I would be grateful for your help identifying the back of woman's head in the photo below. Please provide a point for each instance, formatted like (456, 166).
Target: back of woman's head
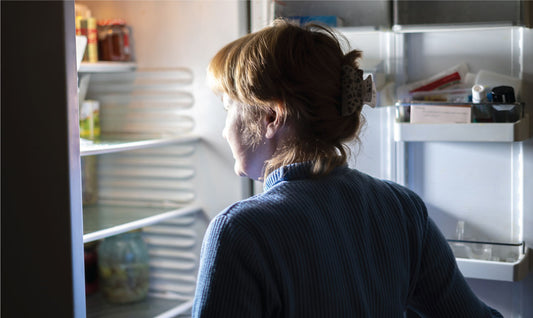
(300, 69)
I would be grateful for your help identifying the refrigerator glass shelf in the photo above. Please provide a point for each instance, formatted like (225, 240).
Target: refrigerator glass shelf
(151, 306)
(100, 221)
(107, 67)
(116, 144)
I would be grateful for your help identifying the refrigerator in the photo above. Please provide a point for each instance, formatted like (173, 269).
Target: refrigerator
(162, 165)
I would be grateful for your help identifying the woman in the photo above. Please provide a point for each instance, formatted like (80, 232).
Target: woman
(322, 240)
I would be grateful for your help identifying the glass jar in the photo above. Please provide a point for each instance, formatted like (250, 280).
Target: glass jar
(114, 40)
(123, 267)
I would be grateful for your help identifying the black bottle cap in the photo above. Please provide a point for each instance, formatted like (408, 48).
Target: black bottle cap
(503, 94)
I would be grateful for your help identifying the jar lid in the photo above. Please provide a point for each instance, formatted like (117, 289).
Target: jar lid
(112, 22)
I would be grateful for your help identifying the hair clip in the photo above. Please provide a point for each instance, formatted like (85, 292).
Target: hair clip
(356, 92)
(369, 92)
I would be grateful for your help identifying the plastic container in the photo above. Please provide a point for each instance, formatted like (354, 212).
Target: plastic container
(490, 79)
(446, 79)
(123, 265)
(90, 119)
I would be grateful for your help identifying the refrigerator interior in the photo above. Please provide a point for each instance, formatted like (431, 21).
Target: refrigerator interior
(177, 38)
(161, 163)
(474, 178)
(478, 183)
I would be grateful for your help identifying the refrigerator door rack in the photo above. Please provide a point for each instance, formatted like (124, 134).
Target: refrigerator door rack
(491, 260)
(467, 122)
(441, 112)
(494, 270)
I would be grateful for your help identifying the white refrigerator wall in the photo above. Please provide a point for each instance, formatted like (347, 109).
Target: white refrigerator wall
(186, 34)
(489, 185)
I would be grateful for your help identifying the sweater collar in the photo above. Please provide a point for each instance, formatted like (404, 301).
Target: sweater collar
(294, 171)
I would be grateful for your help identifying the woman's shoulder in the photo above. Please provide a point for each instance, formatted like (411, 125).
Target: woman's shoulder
(384, 185)
(385, 193)
(247, 210)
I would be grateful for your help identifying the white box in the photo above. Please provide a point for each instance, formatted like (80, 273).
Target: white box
(436, 114)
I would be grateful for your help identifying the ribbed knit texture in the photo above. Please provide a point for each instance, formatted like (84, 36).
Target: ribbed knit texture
(344, 245)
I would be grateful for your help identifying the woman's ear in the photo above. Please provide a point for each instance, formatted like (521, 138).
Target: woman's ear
(273, 121)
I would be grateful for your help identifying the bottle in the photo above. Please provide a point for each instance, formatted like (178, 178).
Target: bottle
(479, 94)
(123, 265)
(503, 94)
(490, 79)
(482, 112)
(505, 111)
(88, 29)
(460, 230)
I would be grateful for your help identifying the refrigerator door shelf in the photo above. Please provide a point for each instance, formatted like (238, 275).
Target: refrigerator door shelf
(470, 132)
(440, 12)
(447, 27)
(493, 270)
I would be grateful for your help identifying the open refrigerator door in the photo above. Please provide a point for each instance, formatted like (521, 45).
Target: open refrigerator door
(471, 160)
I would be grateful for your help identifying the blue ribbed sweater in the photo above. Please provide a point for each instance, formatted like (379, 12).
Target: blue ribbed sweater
(344, 245)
